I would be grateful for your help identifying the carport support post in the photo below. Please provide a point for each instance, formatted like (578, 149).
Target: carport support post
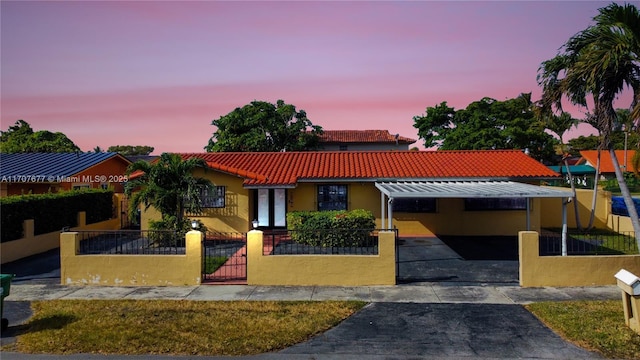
(382, 209)
(528, 215)
(564, 227)
(390, 212)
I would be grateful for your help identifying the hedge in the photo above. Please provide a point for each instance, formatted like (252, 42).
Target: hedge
(331, 228)
(53, 211)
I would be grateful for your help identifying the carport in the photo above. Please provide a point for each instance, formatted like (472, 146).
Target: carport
(390, 190)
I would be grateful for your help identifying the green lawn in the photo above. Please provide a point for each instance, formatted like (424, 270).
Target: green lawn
(176, 327)
(593, 325)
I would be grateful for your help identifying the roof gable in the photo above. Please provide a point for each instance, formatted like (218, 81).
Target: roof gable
(288, 168)
(606, 164)
(363, 136)
(52, 164)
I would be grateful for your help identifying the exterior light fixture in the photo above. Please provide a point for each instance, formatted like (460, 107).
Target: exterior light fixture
(255, 223)
(194, 224)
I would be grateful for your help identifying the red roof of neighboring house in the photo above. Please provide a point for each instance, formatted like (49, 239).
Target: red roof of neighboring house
(606, 164)
(287, 168)
(362, 136)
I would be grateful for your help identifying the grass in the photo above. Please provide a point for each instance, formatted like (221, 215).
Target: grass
(593, 325)
(175, 327)
(213, 263)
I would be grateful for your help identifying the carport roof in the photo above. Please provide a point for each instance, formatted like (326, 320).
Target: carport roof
(467, 189)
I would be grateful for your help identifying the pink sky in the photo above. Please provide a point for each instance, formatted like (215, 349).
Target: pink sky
(157, 73)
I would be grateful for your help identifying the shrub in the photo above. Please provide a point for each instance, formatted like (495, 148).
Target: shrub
(331, 228)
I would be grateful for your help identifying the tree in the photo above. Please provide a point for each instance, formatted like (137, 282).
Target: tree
(262, 126)
(592, 69)
(486, 124)
(130, 150)
(20, 138)
(169, 186)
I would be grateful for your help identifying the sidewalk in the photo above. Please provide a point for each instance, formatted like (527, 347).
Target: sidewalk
(415, 293)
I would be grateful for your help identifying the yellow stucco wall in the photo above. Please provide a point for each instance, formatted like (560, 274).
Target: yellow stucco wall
(321, 270)
(551, 217)
(621, 224)
(32, 244)
(539, 271)
(130, 270)
(449, 219)
(234, 217)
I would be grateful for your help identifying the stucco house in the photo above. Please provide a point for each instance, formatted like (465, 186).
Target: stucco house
(363, 140)
(38, 173)
(491, 192)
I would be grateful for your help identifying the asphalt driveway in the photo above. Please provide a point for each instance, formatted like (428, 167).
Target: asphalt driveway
(442, 331)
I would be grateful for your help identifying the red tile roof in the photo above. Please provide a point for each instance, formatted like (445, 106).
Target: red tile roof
(287, 168)
(606, 165)
(362, 136)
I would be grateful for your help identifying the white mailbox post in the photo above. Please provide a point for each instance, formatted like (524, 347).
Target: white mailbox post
(630, 285)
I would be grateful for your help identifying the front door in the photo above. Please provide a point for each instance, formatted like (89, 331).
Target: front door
(271, 208)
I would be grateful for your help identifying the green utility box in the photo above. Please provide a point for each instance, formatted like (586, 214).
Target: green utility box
(5, 281)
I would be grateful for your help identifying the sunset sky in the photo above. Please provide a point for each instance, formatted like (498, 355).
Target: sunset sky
(157, 73)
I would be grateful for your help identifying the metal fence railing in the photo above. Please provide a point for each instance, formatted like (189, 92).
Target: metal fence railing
(589, 243)
(321, 242)
(137, 242)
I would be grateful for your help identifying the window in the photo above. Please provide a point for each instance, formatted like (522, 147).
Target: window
(414, 205)
(332, 197)
(343, 147)
(80, 186)
(495, 204)
(213, 197)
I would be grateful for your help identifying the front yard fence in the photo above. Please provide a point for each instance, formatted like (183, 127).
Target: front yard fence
(589, 243)
(321, 242)
(131, 242)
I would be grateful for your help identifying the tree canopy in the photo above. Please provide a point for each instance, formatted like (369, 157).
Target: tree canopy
(130, 150)
(264, 127)
(20, 138)
(486, 124)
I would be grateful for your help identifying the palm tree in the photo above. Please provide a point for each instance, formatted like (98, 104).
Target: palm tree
(598, 63)
(559, 124)
(169, 186)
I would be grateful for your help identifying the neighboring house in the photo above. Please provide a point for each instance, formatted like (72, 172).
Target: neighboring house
(37, 173)
(490, 192)
(583, 175)
(590, 157)
(362, 140)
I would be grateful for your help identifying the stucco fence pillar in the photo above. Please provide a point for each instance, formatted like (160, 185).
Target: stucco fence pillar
(565, 271)
(321, 270)
(130, 270)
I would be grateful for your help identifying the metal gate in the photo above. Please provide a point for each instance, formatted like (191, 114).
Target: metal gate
(225, 258)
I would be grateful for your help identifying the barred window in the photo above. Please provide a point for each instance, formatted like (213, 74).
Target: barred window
(213, 197)
(482, 204)
(332, 197)
(414, 205)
